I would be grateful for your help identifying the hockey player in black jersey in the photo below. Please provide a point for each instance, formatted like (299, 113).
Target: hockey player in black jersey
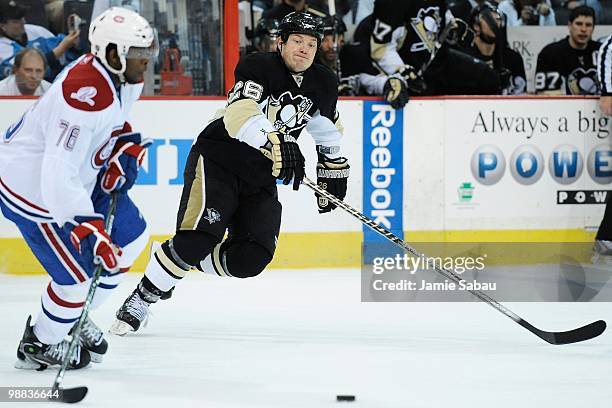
(567, 67)
(357, 72)
(407, 39)
(490, 45)
(231, 172)
(265, 35)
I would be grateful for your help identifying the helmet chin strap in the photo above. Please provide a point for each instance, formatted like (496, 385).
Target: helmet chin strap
(119, 72)
(488, 39)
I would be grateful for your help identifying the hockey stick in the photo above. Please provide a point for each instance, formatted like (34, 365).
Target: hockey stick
(572, 336)
(76, 394)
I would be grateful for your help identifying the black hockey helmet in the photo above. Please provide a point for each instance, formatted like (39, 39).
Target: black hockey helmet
(496, 20)
(484, 11)
(333, 25)
(267, 27)
(301, 23)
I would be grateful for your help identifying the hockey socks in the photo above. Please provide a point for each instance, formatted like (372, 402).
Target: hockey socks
(214, 263)
(165, 268)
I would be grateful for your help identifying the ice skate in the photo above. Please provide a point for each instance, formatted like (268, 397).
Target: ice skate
(602, 252)
(32, 354)
(133, 313)
(92, 338)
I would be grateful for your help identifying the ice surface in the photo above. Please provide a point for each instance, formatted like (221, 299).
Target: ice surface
(298, 338)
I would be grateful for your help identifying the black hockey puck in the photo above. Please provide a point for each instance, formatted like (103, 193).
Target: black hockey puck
(345, 398)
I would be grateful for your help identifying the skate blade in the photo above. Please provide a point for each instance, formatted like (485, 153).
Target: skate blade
(120, 328)
(96, 357)
(30, 365)
(601, 259)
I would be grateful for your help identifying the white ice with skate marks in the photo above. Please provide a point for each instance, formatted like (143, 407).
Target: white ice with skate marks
(299, 338)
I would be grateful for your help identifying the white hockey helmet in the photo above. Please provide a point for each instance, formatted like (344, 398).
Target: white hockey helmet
(128, 30)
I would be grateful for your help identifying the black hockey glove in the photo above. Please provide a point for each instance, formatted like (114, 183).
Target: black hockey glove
(395, 92)
(505, 79)
(346, 87)
(332, 175)
(414, 82)
(287, 159)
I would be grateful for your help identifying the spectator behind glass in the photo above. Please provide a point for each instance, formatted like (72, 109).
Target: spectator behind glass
(16, 35)
(567, 67)
(528, 12)
(27, 76)
(594, 4)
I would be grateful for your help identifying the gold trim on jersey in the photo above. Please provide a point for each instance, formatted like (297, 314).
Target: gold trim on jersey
(339, 124)
(551, 92)
(196, 201)
(168, 264)
(377, 51)
(238, 113)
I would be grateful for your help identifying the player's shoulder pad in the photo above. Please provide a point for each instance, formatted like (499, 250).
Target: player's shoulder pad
(262, 67)
(86, 88)
(556, 46)
(594, 44)
(324, 74)
(258, 61)
(550, 51)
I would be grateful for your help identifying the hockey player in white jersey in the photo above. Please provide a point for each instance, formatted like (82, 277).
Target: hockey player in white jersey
(58, 164)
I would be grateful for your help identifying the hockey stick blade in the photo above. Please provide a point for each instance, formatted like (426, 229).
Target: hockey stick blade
(71, 395)
(572, 336)
(583, 333)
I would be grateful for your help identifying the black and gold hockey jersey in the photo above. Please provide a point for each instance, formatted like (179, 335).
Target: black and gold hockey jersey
(510, 60)
(564, 70)
(266, 96)
(410, 26)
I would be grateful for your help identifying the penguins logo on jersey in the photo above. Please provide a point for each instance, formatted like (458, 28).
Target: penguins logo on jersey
(426, 24)
(287, 113)
(582, 82)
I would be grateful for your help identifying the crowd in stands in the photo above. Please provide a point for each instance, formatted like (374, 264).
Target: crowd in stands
(31, 56)
(375, 46)
(475, 57)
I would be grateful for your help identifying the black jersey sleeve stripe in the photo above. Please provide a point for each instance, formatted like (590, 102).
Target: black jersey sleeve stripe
(604, 66)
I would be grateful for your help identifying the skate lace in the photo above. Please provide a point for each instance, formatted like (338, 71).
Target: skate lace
(91, 334)
(137, 307)
(57, 352)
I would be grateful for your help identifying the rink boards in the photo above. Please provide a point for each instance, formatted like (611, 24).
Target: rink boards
(457, 169)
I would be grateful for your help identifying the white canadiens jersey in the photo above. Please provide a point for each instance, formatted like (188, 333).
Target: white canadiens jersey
(51, 156)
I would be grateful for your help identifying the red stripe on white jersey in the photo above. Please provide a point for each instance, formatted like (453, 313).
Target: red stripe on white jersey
(23, 200)
(22, 206)
(61, 302)
(62, 253)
